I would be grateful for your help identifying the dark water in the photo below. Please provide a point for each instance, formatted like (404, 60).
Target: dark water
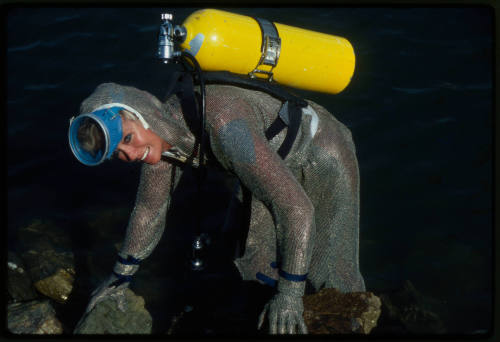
(419, 107)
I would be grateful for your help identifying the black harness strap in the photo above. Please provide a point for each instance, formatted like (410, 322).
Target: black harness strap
(187, 97)
(294, 115)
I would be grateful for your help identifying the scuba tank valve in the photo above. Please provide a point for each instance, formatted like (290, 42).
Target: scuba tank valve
(167, 37)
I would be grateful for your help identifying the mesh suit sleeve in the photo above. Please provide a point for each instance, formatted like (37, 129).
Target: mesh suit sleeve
(144, 231)
(147, 221)
(248, 154)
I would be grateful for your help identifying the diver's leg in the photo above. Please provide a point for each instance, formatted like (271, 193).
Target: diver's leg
(331, 180)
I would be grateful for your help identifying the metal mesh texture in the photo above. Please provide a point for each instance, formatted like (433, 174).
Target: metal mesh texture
(164, 119)
(147, 221)
(305, 209)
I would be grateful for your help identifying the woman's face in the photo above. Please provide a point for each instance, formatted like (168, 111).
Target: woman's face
(139, 144)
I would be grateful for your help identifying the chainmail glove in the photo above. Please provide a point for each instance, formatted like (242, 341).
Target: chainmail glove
(114, 287)
(285, 309)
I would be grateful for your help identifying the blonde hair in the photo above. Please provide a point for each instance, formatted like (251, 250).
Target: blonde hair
(90, 136)
(125, 114)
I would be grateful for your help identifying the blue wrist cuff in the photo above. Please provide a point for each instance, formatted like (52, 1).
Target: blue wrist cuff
(121, 279)
(292, 277)
(289, 276)
(267, 280)
(129, 261)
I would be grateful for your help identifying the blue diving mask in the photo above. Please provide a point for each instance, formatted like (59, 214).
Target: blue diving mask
(109, 134)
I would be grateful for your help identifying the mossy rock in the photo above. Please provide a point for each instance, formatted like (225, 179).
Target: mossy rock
(331, 312)
(58, 286)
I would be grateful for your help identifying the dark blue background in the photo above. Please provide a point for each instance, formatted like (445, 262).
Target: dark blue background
(419, 107)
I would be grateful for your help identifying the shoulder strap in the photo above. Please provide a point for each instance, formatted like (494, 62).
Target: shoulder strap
(181, 85)
(294, 116)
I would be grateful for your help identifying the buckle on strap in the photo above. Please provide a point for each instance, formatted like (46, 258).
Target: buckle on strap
(270, 48)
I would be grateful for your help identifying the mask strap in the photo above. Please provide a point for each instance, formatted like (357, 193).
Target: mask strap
(130, 109)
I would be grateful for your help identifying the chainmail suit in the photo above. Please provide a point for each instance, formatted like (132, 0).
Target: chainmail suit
(305, 209)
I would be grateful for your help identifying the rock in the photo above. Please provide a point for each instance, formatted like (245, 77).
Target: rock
(412, 310)
(331, 312)
(49, 259)
(106, 318)
(58, 286)
(34, 317)
(19, 284)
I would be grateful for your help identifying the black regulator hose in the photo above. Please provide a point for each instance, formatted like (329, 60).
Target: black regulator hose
(201, 79)
(197, 262)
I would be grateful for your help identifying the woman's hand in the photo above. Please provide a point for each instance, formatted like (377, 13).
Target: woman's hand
(284, 312)
(113, 287)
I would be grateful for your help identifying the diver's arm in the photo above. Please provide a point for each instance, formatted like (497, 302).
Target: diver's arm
(145, 228)
(270, 181)
(147, 220)
(265, 174)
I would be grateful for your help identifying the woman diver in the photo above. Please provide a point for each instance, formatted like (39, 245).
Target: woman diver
(304, 225)
(295, 159)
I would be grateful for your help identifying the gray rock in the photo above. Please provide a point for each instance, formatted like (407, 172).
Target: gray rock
(48, 256)
(19, 284)
(106, 318)
(34, 317)
(416, 312)
(331, 312)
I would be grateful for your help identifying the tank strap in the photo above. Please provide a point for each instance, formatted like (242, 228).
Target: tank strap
(270, 48)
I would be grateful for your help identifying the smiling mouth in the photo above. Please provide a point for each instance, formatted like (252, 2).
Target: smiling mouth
(146, 152)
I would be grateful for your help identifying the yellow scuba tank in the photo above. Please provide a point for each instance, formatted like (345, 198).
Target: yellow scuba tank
(289, 55)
